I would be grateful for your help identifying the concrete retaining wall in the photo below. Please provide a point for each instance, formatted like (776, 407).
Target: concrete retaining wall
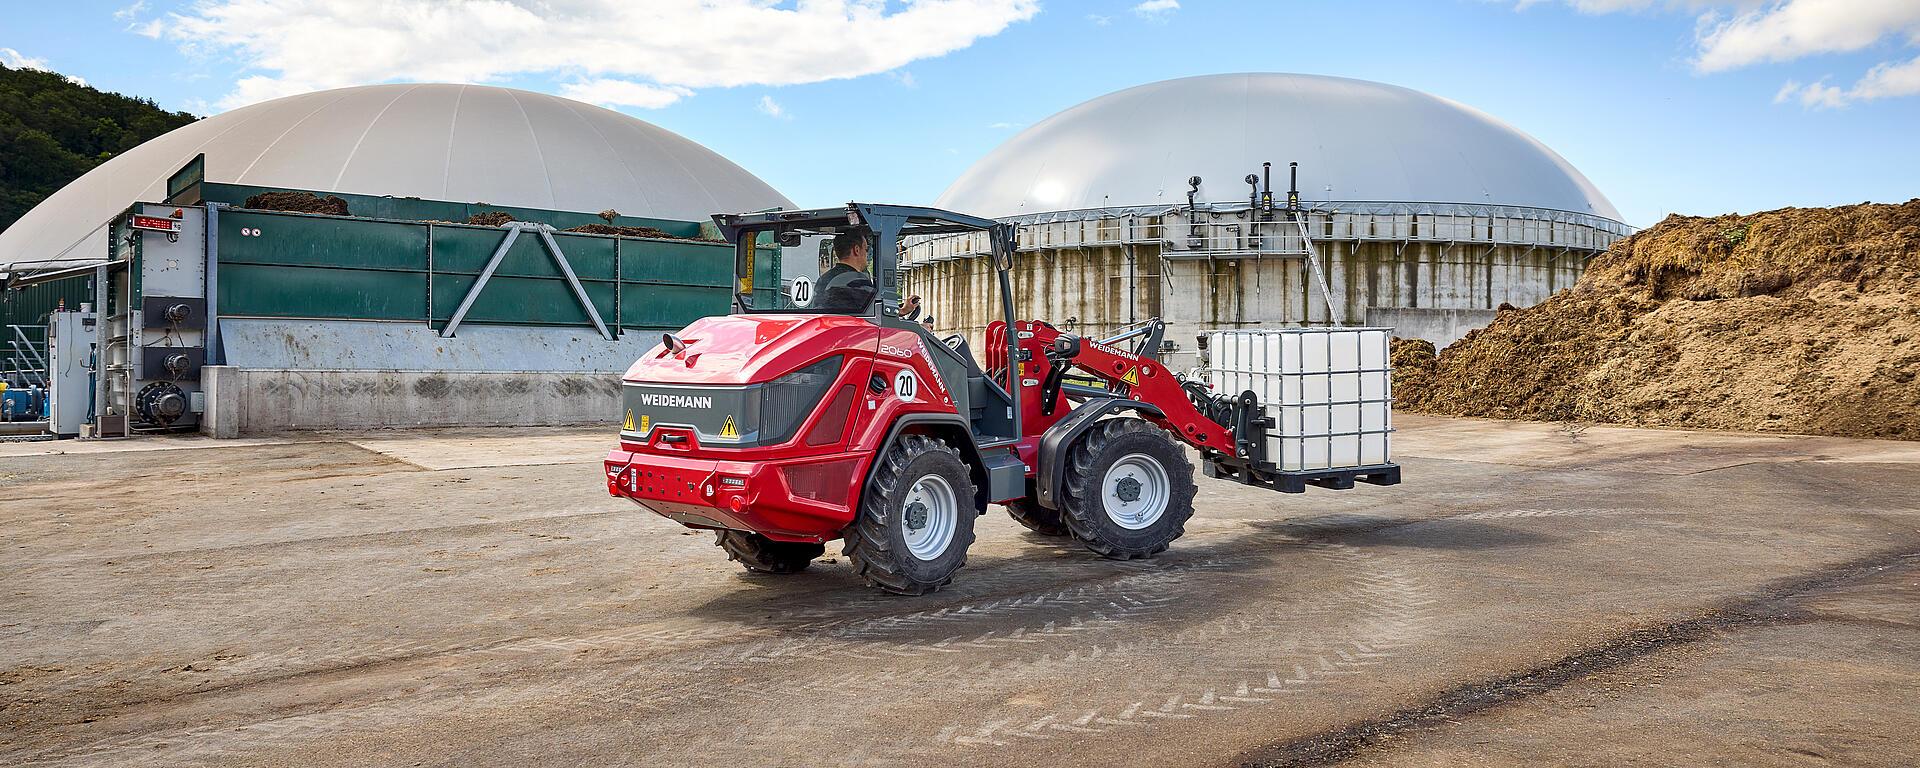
(259, 401)
(1440, 326)
(256, 343)
(1096, 290)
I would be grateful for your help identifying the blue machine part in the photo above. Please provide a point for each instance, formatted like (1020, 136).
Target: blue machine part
(28, 404)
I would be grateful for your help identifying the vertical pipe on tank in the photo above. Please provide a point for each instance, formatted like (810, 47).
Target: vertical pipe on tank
(1193, 214)
(1132, 281)
(1266, 192)
(1293, 187)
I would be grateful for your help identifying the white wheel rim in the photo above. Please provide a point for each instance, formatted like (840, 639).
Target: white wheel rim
(929, 516)
(1135, 491)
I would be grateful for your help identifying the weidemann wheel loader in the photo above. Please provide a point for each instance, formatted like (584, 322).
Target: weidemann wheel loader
(820, 413)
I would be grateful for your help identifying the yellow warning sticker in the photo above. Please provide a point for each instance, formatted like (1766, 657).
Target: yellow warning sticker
(646, 423)
(628, 424)
(728, 429)
(746, 266)
(1131, 377)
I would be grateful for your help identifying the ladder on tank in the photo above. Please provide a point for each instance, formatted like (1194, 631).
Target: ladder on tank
(1319, 277)
(1260, 239)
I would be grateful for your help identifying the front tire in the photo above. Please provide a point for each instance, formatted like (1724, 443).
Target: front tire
(1036, 518)
(760, 554)
(1128, 490)
(916, 518)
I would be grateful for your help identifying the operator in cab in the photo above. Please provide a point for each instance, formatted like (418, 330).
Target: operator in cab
(846, 288)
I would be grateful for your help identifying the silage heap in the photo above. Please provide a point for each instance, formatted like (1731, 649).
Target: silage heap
(1796, 320)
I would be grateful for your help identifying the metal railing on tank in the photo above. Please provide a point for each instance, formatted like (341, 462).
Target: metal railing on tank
(1243, 239)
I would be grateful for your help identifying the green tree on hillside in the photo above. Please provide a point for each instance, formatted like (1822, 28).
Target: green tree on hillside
(53, 129)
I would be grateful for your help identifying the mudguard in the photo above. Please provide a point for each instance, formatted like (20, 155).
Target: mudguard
(1059, 438)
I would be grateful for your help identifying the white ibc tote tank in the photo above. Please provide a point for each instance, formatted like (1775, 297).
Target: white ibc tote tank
(1329, 391)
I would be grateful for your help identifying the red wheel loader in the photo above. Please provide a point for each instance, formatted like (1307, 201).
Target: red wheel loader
(820, 412)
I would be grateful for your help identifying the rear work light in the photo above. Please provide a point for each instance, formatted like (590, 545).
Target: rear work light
(785, 402)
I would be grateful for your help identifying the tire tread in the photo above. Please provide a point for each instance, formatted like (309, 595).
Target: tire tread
(1080, 506)
(763, 555)
(867, 545)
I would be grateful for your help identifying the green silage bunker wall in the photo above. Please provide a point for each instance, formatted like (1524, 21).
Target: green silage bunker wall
(418, 209)
(289, 265)
(28, 305)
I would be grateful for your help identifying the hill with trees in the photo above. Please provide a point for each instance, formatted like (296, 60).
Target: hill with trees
(53, 129)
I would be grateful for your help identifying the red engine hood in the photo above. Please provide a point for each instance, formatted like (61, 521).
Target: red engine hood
(749, 349)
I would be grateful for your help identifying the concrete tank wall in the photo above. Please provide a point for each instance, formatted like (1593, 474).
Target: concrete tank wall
(260, 401)
(1440, 326)
(1088, 290)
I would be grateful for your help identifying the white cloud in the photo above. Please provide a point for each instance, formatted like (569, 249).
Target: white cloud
(1887, 80)
(772, 108)
(1786, 92)
(624, 93)
(18, 60)
(1732, 34)
(1593, 6)
(904, 78)
(1597, 7)
(1812, 95)
(1797, 28)
(131, 12)
(1099, 20)
(1156, 9)
(293, 46)
(1005, 125)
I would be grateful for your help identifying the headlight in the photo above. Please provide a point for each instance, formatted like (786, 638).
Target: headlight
(785, 402)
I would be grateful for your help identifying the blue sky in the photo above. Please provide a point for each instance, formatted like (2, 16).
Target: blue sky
(1688, 106)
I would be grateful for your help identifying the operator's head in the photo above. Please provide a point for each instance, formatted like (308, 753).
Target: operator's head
(850, 248)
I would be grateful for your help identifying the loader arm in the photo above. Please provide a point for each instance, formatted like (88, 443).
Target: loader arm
(1128, 376)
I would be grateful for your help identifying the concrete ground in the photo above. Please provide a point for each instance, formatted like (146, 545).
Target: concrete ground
(1530, 595)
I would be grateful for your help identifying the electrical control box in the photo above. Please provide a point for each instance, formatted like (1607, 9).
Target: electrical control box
(72, 353)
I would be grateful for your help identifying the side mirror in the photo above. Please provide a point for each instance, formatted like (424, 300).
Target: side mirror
(1003, 244)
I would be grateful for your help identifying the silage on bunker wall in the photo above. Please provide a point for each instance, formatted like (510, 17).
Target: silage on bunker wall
(1795, 320)
(297, 202)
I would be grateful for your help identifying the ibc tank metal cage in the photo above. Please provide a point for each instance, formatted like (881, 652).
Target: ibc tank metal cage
(1328, 391)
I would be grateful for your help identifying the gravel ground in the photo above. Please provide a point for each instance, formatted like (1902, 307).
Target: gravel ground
(1528, 595)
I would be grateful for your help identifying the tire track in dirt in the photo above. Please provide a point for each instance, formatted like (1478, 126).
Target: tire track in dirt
(963, 646)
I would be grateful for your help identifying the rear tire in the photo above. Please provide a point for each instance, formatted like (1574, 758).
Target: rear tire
(760, 554)
(1036, 518)
(916, 518)
(1128, 490)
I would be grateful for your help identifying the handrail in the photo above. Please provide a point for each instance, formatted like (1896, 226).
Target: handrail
(1219, 239)
(1407, 222)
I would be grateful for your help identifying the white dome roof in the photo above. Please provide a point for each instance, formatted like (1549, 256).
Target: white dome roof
(462, 143)
(1367, 141)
